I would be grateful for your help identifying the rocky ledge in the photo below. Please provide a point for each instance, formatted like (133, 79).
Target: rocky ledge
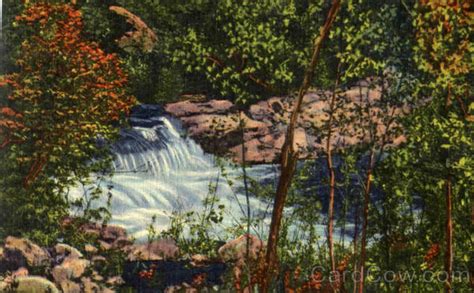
(215, 124)
(112, 262)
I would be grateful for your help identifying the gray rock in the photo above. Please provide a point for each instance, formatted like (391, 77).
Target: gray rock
(122, 242)
(236, 250)
(70, 268)
(157, 250)
(68, 286)
(98, 259)
(91, 249)
(4, 286)
(36, 285)
(67, 250)
(105, 245)
(115, 281)
(20, 252)
(213, 121)
(188, 108)
(111, 233)
(199, 260)
(89, 286)
(21, 272)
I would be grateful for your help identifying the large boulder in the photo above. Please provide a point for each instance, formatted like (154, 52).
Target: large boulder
(236, 249)
(68, 286)
(65, 250)
(89, 286)
(110, 233)
(188, 108)
(33, 284)
(21, 252)
(70, 269)
(157, 250)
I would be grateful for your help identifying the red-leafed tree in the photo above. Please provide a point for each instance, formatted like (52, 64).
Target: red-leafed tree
(66, 96)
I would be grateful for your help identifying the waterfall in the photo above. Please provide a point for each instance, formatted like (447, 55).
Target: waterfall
(158, 170)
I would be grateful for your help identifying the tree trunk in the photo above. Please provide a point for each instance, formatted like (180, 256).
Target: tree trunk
(356, 235)
(332, 174)
(448, 265)
(247, 197)
(365, 222)
(289, 155)
(332, 187)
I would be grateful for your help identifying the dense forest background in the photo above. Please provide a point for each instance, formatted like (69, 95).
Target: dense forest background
(73, 70)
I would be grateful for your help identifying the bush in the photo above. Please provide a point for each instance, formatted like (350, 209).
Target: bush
(58, 113)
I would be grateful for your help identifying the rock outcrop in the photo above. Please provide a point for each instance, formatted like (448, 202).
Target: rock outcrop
(215, 124)
(30, 284)
(161, 249)
(158, 263)
(236, 249)
(63, 267)
(20, 252)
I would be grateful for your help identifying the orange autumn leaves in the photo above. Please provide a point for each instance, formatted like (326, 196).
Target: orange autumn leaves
(66, 93)
(8, 122)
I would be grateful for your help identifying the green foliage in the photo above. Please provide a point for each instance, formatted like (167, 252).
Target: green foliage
(65, 101)
(417, 54)
(439, 144)
(195, 232)
(374, 40)
(154, 78)
(253, 48)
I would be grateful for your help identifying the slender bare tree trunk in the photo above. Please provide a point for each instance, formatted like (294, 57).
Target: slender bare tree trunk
(448, 265)
(448, 254)
(289, 155)
(365, 222)
(247, 196)
(356, 234)
(332, 187)
(332, 173)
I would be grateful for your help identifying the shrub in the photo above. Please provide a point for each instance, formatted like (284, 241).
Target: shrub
(67, 98)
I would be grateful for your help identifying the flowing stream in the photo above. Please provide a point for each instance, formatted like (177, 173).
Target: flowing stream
(159, 171)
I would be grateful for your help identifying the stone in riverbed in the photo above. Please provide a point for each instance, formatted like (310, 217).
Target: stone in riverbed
(68, 286)
(236, 250)
(122, 242)
(89, 286)
(187, 108)
(157, 250)
(35, 284)
(21, 272)
(111, 233)
(21, 252)
(104, 245)
(115, 281)
(70, 268)
(67, 251)
(199, 260)
(214, 124)
(91, 249)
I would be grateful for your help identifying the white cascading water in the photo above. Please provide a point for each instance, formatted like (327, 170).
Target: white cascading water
(159, 171)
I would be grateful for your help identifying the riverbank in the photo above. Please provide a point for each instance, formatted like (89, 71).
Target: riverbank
(109, 261)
